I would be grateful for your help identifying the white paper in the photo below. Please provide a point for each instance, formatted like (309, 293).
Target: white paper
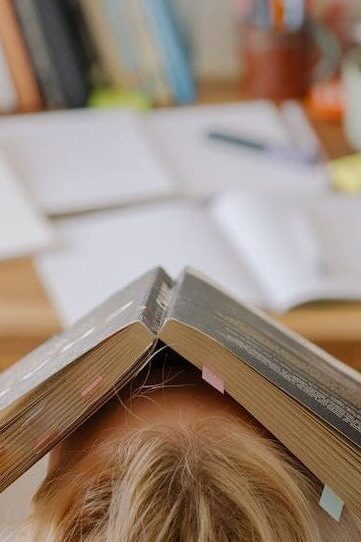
(86, 159)
(205, 167)
(102, 253)
(23, 230)
(299, 248)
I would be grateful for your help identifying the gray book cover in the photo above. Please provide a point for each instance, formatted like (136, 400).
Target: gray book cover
(327, 387)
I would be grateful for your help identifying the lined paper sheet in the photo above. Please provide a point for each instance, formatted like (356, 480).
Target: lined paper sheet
(100, 254)
(86, 159)
(23, 230)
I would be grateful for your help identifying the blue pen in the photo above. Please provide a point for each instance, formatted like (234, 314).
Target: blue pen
(284, 152)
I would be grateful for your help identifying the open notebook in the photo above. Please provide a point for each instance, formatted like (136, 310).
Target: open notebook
(273, 252)
(81, 160)
(73, 161)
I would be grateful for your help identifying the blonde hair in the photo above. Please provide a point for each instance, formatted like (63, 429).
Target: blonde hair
(213, 480)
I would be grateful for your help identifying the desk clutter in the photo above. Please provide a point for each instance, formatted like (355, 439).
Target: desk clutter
(112, 193)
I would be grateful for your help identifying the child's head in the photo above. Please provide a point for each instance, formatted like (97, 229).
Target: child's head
(183, 463)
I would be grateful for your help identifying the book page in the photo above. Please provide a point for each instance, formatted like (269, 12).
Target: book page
(99, 254)
(23, 230)
(300, 249)
(204, 167)
(85, 159)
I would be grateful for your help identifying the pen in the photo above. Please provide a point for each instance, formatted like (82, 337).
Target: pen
(284, 152)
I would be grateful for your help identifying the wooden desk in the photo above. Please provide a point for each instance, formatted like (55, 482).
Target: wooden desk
(27, 319)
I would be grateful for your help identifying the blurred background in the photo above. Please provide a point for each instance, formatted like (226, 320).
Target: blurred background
(225, 135)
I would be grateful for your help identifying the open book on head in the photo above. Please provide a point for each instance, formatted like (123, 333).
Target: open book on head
(307, 399)
(274, 252)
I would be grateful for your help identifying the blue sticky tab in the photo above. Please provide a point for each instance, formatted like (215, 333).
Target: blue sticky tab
(331, 503)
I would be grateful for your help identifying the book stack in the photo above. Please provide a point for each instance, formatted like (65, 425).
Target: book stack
(54, 52)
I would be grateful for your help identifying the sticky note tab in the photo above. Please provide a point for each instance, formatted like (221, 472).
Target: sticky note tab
(331, 503)
(212, 379)
(346, 173)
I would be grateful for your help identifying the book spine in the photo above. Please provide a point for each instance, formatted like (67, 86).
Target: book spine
(8, 96)
(104, 42)
(150, 59)
(82, 38)
(19, 60)
(118, 18)
(174, 54)
(157, 301)
(36, 43)
(73, 80)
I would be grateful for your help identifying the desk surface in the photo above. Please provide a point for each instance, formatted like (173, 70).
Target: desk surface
(27, 319)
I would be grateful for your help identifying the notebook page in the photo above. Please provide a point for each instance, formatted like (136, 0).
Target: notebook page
(205, 167)
(300, 249)
(84, 159)
(23, 230)
(99, 254)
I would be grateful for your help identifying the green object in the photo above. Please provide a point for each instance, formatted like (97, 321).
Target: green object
(331, 503)
(114, 97)
(346, 173)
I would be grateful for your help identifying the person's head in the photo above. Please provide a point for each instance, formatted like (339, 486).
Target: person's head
(176, 461)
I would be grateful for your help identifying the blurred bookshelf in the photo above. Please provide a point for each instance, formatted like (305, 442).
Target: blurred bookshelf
(54, 55)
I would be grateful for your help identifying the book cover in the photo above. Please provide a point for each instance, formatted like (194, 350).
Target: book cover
(327, 387)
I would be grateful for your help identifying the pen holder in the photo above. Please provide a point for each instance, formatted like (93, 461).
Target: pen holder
(280, 64)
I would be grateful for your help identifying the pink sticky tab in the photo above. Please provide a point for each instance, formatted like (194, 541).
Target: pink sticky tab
(92, 386)
(212, 379)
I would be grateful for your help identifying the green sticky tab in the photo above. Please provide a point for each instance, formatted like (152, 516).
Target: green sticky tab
(113, 97)
(345, 173)
(331, 503)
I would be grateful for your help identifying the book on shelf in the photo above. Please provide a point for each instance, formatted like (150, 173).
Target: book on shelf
(150, 58)
(108, 54)
(62, 48)
(172, 49)
(35, 38)
(18, 59)
(308, 400)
